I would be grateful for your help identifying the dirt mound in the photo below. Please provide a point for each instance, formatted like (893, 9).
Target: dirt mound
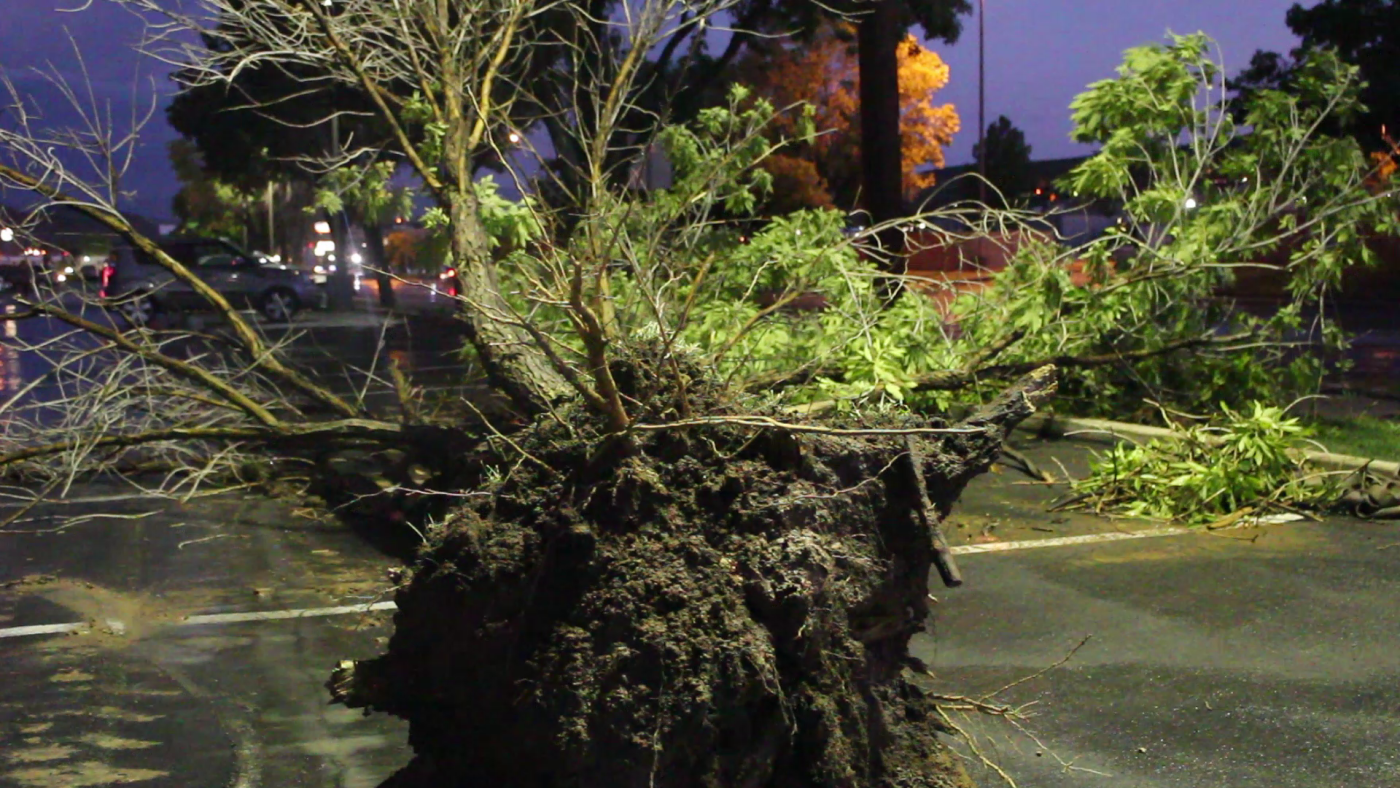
(719, 605)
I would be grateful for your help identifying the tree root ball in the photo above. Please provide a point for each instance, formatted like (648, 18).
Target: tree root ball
(719, 605)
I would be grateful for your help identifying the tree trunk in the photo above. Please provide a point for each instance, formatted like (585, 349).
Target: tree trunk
(880, 153)
(374, 255)
(513, 362)
(339, 284)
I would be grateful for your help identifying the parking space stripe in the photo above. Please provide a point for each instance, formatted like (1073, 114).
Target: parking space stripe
(342, 610)
(42, 629)
(275, 615)
(1031, 544)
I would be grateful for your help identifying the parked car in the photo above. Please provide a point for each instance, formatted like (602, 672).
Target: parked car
(73, 269)
(448, 282)
(140, 289)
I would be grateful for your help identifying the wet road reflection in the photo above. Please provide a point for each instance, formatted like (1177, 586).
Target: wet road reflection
(350, 352)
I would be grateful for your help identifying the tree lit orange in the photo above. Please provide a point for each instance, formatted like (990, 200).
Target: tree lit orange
(824, 73)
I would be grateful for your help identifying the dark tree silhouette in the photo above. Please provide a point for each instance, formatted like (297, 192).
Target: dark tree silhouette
(1007, 158)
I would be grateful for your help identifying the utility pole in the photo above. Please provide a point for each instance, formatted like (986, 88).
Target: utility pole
(982, 100)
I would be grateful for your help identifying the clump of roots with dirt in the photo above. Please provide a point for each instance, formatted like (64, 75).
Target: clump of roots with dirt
(725, 600)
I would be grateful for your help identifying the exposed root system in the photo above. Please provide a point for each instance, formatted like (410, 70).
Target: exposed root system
(720, 605)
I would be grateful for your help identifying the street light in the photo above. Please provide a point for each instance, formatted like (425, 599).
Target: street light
(6, 234)
(982, 100)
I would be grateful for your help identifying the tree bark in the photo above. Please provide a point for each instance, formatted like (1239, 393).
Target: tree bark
(515, 365)
(880, 155)
(374, 253)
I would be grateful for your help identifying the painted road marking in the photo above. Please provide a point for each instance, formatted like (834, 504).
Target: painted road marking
(118, 627)
(43, 629)
(274, 615)
(1029, 544)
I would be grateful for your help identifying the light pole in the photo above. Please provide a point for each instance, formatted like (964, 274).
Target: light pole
(982, 100)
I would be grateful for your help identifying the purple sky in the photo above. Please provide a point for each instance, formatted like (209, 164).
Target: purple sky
(1039, 55)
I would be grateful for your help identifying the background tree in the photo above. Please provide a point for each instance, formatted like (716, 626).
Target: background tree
(205, 204)
(1007, 158)
(823, 72)
(272, 219)
(1365, 33)
(367, 197)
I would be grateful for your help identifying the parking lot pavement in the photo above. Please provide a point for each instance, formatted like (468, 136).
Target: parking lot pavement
(1252, 658)
(198, 651)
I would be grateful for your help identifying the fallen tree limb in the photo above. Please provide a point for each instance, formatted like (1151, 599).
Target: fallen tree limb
(349, 428)
(191, 372)
(975, 371)
(247, 337)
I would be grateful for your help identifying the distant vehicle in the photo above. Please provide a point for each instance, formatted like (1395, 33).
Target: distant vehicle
(27, 270)
(448, 282)
(140, 289)
(75, 269)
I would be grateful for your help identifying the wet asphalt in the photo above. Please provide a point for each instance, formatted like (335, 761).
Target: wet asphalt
(1265, 658)
(140, 696)
(1250, 658)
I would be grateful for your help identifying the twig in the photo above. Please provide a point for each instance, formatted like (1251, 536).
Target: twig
(1029, 467)
(769, 423)
(1066, 658)
(181, 546)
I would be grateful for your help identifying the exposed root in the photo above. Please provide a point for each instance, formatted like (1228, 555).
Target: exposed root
(729, 603)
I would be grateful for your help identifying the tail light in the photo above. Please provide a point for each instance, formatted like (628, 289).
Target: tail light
(107, 271)
(448, 274)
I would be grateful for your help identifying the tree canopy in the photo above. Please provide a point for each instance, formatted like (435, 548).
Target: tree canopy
(1007, 158)
(822, 72)
(1365, 33)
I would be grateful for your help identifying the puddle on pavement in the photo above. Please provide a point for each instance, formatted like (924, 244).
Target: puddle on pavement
(41, 753)
(67, 676)
(107, 741)
(81, 775)
(38, 727)
(110, 712)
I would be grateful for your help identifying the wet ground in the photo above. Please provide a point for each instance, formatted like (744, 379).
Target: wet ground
(1264, 656)
(188, 645)
(141, 694)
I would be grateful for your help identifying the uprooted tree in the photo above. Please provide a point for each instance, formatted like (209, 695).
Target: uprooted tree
(643, 573)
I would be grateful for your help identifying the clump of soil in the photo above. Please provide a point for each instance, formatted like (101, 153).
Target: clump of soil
(719, 605)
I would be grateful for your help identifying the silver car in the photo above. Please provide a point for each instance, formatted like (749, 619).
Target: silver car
(140, 289)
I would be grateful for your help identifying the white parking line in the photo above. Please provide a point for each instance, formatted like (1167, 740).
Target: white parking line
(274, 615)
(212, 618)
(43, 629)
(1031, 544)
(342, 610)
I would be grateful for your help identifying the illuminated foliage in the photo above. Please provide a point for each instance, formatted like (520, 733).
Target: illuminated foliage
(824, 74)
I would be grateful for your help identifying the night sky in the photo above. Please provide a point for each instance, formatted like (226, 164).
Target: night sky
(1039, 55)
